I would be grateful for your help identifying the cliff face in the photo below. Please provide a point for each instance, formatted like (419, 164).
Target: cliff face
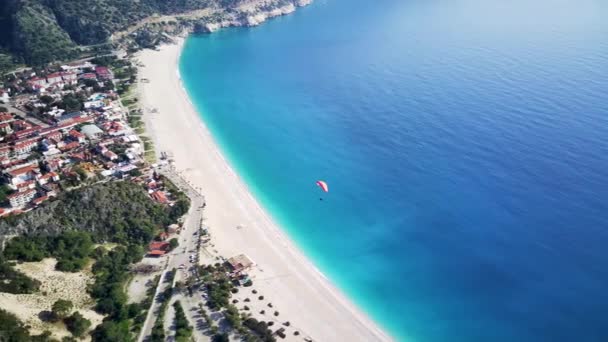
(250, 14)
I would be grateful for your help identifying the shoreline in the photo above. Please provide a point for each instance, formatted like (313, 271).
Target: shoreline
(303, 294)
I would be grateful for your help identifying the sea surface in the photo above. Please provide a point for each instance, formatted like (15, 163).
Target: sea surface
(465, 145)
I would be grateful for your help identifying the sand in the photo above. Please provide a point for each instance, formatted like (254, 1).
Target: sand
(55, 285)
(283, 274)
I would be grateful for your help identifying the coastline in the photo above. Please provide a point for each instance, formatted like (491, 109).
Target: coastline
(298, 289)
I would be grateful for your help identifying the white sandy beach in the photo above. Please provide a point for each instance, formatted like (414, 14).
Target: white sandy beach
(283, 274)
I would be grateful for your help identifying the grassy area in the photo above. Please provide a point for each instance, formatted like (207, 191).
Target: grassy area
(150, 157)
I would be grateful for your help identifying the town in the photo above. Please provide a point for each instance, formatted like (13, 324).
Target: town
(66, 125)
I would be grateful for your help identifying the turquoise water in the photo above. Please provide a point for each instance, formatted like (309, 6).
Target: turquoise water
(465, 144)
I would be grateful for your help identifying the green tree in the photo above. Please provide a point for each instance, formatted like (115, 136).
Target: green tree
(77, 324)
(62, 308)
(12, 328)
(46, 99)
(220, 338)
(110, 331)
(173, 243)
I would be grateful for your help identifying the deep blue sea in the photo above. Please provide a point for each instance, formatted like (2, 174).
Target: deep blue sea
(465, 144)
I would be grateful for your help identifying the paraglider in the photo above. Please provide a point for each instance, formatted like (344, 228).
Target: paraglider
(321, 184)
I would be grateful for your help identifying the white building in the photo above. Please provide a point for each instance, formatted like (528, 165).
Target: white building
(20, 199)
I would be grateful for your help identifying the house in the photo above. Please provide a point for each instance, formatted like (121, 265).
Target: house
(156, 253)
(54, 78)
(69, 77)
(5, 151)
(28, 132)
(77, 136)
(68, 147)
(25, 146)
(87, 76)
(55, 112)
(20, 199)
(22, 174)
(48, 177)
(159, 246)
(172, 229)
(19, 125)
(39, 200)
(103, 73)
(5, 128)
(240, 263)
(109, 155)
(159, 197)
(25, 186)
(4, 96)
(92, 132)
(37, 82)
(6, 117)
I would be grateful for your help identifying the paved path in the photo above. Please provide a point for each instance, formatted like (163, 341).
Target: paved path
(188, 241)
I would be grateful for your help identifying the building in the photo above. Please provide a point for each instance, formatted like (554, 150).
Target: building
(20, 199)
(92, 132)
(54, 78)
(5, 128)
(240, 263)
(158, 248)
(103, 73)
(159, 197)
(22, 174)
(77, 136)
(4, 96)
(88, 76)
(156, 253)
(25, 146)
(6, 117)
(35, 82)
(48, 177)
(69, 77)
(109, 155)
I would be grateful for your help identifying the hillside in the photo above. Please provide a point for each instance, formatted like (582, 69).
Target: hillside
(119, 212)
(39, 31)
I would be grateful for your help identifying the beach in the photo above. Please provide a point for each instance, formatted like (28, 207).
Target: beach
(237, 222)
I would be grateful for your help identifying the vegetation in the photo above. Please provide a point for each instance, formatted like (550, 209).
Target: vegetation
(259, 328)
(183, 330)
(13, 330)
(119, 212)
(40, 31)
(70, 248)
(13, 281)
(61, 309)
(173, 243)
(77, 324)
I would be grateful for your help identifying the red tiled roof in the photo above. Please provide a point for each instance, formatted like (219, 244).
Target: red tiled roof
(24, 193)
(158, 246)
(74, 133)
(40, 199)
(156, 252)
(69, 146)
(22, 170)
(159, 196)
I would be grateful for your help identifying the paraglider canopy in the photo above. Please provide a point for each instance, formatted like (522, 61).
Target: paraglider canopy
(321, 184)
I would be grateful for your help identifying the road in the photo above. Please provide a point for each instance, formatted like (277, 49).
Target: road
(188, 240)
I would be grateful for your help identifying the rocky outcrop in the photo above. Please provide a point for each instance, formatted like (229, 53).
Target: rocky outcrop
(248, 15)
